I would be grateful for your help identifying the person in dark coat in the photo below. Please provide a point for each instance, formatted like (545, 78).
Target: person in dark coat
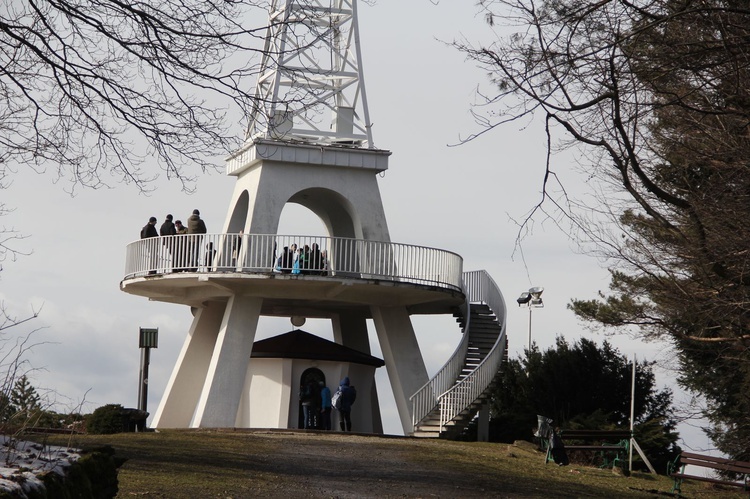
(310, 398)
(316, 259)
(285, 260)
(557, 449)
(348, 396)
(168, 229)
(149, 230)
(195, 225)
(304, 260)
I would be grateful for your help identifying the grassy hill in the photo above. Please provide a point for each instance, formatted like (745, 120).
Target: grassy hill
(201, 464)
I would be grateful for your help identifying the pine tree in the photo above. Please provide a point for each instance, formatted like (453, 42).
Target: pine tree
(24, 397)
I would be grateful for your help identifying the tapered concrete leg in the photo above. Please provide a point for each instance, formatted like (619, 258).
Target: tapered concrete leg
(403, 360)
(350, 330)
(183, 390)
(222, 390)
(377, 420)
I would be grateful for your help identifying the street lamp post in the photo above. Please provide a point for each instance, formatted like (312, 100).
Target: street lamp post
(532, 299)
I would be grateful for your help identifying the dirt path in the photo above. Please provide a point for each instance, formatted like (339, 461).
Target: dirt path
(352, 466)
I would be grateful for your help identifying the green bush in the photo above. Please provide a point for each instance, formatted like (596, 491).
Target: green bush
(106, 420)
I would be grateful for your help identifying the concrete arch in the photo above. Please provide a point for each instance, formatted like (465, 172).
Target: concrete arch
(337, 213)
(347, 200)
(238, 216)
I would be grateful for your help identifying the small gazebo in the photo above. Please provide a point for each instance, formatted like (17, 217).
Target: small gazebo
(283, 363)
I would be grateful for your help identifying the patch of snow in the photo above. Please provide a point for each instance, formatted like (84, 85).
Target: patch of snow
(22, 462)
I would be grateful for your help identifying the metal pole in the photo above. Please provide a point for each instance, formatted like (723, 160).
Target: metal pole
(143, 379)
(529, 328)
(632, 413)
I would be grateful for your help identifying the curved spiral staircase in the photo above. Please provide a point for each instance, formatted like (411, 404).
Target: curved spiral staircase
(447, 403)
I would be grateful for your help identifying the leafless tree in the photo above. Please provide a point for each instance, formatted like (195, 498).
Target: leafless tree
(95, 88)
(654, 95)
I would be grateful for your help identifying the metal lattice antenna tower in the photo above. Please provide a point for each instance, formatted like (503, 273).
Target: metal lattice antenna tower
(311, 87)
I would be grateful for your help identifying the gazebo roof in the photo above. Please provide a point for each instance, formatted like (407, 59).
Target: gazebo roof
(299, 344)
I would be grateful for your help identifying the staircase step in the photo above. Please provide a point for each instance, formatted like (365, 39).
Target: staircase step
(484, 327)
(484, 346)
(435, 425)
(426, 434)
(482, 330)
(485, 333)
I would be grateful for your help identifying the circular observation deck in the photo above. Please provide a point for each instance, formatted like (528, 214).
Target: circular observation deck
(325, 276)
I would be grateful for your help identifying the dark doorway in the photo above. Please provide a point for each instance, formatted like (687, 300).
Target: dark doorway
(309, 389)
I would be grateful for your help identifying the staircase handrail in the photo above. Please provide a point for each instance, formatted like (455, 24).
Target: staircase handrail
(480, 288)
(426, 398)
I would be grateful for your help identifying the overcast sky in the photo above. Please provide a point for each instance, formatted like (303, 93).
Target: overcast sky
(461, 199)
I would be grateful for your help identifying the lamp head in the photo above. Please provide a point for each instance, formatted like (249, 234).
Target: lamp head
(524, 298)
(536, 292)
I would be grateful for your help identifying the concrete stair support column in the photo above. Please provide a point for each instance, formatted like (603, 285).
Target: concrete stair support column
(483, 426)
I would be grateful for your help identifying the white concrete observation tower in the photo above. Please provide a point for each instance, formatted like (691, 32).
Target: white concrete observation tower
(309, 142)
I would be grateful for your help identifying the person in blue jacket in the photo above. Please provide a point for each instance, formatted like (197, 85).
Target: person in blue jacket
(348, 396)
(325, 406)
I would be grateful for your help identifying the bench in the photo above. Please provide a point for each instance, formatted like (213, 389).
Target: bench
(677, 470)
(608, 442)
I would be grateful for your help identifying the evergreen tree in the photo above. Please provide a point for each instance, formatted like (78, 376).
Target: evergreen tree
(583, 386)
(6, 408)
(24, 396)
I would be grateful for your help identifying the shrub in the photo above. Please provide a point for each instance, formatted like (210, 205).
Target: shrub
(106, 420)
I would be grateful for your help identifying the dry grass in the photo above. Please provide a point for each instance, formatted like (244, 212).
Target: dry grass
(200, 464)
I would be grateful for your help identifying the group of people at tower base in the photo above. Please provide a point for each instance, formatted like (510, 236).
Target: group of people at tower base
(317, 404)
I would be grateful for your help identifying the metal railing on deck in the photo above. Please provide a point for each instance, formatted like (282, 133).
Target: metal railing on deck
(314, 255)
(453, 396)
